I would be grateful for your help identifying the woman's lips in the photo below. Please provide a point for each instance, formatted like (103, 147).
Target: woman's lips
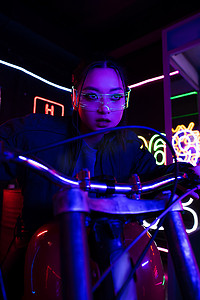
(101, 122)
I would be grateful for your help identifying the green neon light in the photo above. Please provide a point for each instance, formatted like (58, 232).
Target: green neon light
(163, 283)
(183, 116)
(183, 95)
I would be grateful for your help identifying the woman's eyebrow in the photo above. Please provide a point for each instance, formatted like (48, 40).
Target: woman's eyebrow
(90, 88)
(116, 89)
(97, 90)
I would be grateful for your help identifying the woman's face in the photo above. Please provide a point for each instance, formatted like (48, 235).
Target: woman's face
(97, 115)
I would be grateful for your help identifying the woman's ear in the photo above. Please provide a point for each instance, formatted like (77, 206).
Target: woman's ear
(74, 98)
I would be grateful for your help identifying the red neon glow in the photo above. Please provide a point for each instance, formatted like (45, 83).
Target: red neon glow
(152, 250)
(151, 80)
(159, 283)
(49, 269)
(48, 108)
(155, 272)
(42, 232)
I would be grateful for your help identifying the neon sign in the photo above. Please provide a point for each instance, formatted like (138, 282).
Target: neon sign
(193, 213)
(186, 143)
(157, 147)
(46, 106)
(186, 208)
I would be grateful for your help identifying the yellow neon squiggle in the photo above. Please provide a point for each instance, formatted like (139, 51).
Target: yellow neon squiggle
(186, 143)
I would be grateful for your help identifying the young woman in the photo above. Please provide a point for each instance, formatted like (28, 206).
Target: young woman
(100, 97)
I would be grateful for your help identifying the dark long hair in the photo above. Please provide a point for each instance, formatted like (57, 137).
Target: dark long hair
(101, 61)
(80, 73)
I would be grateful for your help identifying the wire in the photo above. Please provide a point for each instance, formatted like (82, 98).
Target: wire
(116, 129)
(142, 255)
(2, 286)
(148, 246)
(69, 140)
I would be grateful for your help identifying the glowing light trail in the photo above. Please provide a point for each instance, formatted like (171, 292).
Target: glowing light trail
(151, 80)
(35, 76)
(183, 95)
(69, 90)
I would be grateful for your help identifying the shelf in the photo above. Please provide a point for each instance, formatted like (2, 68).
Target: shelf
(181, 51)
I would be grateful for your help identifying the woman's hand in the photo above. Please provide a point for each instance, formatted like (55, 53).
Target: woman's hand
(196, 170)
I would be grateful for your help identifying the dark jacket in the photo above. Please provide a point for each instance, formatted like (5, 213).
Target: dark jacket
(113, 158)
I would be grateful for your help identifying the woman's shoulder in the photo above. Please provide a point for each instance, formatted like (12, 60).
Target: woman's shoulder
(44, 122)
(35, 123)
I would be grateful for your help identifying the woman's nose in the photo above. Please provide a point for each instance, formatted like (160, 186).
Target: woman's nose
(103, 108)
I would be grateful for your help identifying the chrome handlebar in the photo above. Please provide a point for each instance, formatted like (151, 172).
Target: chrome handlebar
(135, 187)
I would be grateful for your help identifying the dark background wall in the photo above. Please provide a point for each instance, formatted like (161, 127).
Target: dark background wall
(50, 39)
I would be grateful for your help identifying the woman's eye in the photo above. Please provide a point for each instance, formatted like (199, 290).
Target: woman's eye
(116, 97)
(91, 96)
